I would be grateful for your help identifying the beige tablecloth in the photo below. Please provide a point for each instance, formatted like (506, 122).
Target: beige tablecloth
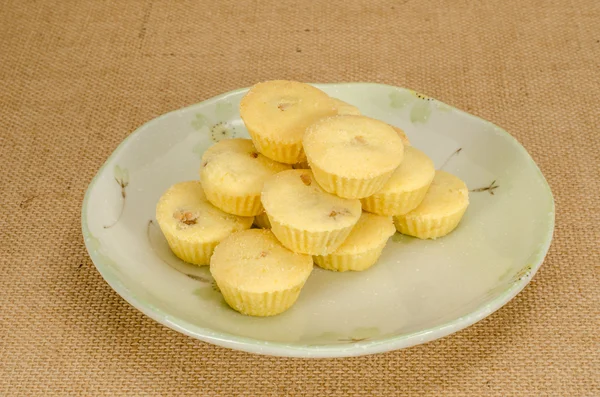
(76, 77)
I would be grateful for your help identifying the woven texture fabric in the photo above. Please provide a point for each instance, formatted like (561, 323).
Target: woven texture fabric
(76, 77)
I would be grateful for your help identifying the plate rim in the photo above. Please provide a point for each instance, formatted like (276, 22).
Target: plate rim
(252, 345)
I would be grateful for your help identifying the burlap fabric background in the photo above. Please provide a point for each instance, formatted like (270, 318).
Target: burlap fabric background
(77, 76)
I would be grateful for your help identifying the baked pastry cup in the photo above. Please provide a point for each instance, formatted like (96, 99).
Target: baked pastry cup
(192, 225)
(440, 211)
(352, 156)
(304, 217)
(232, 175)
(362, 248)
(406, 188)
(277, 113)
(257, 275)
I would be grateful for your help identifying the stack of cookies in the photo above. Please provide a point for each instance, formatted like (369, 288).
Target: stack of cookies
(322, 184)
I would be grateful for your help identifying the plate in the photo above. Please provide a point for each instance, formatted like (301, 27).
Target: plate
(419, 291)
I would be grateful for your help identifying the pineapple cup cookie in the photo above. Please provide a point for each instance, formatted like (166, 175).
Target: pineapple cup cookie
(363, 247)
(352, 156)
(402, 135)
(192, 225)
(345, 108)
(406, 188)
(277, 113)
(262, 221)
(232, 175)
(304, 217)
(440, 211)
(257, 275)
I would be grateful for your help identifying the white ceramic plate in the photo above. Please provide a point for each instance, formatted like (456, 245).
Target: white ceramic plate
(419, 290)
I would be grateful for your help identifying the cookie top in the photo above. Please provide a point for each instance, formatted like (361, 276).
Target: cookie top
(353, 146)
(415, 171)
(281, 110)
(234, 167)
(183, 210)
(370, 232)
(255, 261)
(447, 195)
(294, 198)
